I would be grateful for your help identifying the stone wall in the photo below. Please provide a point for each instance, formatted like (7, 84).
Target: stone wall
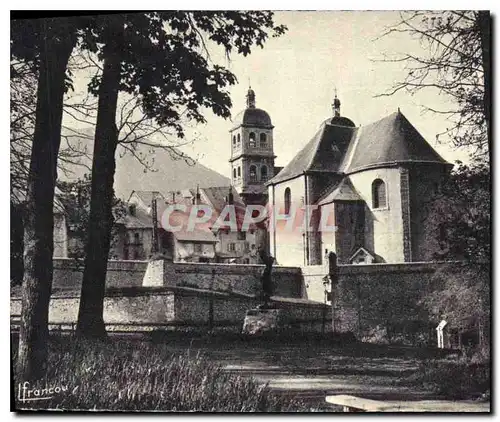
(147, 308)
(378, 295)
(120, 307)
(68, 274)
(287, 281)
(220, 277)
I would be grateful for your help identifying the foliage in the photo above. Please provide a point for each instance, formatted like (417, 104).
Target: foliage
(167, 65)
(158, 58)
(455, 61)
(458, 225)
(134, 376)
(461, 292)
(23, 97)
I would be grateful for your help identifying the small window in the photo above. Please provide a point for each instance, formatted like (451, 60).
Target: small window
(263, 140)
(253, 173)
(136, 238)
(252, 140)
(379, 196)
(231, 247)
(239, 171)
(288, 194)
(239, 139)
(263, 173)
(234, 173)
(242, 235)
(197, 247)
(234, 139)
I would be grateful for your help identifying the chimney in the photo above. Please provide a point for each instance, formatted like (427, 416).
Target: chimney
(131, 209)
(198, 195)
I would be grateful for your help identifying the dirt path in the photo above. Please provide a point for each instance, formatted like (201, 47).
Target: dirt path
(314, 371)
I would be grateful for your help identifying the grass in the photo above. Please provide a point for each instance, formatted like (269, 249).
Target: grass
(460, 379)
(162, 372)
(138, 376)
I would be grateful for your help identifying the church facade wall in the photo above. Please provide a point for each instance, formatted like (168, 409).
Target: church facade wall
(287, 246)
(383, 226)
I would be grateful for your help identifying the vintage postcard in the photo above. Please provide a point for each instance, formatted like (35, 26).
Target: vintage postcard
(250, 211)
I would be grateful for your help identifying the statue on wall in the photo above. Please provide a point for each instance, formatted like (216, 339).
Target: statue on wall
(266, 280)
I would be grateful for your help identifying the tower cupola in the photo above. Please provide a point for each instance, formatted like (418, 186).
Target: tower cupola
(336, 106)
(250, 98)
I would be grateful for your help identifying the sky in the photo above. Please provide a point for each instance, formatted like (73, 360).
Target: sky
(295, 76)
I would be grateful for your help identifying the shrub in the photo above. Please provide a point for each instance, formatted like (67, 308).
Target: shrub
(121, 375)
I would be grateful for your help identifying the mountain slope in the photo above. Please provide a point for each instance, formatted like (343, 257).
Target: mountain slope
(167, 173)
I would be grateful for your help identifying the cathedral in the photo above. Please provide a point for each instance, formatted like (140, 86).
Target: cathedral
(372, 181)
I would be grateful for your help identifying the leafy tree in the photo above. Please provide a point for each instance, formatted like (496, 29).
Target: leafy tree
(161, 58)
(461, 295)
(458, 226)
(455, 61)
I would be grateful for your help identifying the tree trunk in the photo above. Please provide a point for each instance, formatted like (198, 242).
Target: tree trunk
(39, 223)
(90, 316)
(484, 21)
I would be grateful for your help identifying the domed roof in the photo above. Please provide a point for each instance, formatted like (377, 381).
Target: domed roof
(253, 117)
(339, 121)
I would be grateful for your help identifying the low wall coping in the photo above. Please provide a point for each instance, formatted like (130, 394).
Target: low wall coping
(403, 267)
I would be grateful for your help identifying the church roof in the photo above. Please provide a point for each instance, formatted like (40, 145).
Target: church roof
(346, 149)
(255, 117)
(324, 152)
(391, 140)
(345, 191)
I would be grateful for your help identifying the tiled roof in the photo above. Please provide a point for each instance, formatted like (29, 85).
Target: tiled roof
(197, 235)
(324, 152)
(391, 140)
(217, 195)
(140, 220)
(146, 196)
(345, 149)
(345, 191)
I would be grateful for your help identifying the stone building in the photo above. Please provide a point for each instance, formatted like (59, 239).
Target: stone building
(370, 182)
(252, 152)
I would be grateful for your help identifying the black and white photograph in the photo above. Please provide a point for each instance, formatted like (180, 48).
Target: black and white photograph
(251, 211)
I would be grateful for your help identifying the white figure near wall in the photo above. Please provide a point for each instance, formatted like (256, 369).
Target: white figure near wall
(440, 336)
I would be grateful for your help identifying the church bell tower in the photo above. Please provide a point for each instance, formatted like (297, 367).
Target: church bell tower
(252, 153)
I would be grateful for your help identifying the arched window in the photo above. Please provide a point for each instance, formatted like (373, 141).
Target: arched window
(239, 171)
(263, 173)
(234, 139)
(252, 140)
(379, 196)
(234, 173)
(239, 139)
(263, 140)
(288, 194)
(253, 173)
